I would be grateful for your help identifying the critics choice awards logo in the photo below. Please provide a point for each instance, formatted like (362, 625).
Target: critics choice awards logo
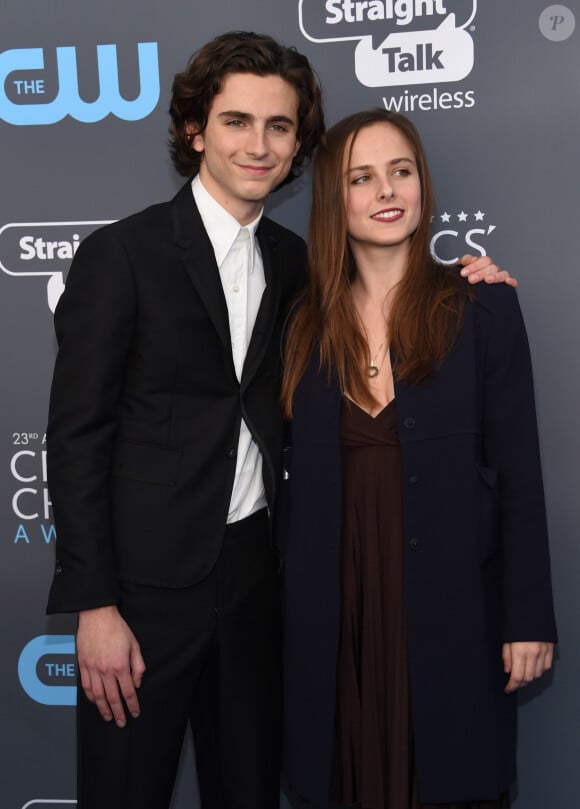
(400, 42)
(455, 232)
(30, 498)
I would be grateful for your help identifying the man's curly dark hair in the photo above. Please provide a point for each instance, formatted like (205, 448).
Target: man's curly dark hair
(241, 52)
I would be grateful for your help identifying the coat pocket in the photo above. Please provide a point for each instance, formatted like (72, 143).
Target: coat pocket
(148, 463)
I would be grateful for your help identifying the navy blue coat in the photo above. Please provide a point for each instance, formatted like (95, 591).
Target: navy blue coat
(477, 570)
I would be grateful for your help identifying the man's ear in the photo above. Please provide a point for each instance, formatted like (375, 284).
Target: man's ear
(297, 147)
(195, 136)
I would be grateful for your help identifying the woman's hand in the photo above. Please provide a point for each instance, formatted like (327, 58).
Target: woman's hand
(526, 661)
(482, 268)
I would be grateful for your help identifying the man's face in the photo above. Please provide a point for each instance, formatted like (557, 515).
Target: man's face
(249, 142)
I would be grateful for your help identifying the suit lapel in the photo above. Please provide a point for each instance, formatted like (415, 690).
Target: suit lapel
(201, 266)
(199, 261)
(269, 305)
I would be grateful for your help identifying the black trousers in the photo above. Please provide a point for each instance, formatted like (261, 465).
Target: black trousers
(212, 653)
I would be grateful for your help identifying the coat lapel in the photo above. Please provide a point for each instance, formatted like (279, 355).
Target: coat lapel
(200, 264)
(199, 261)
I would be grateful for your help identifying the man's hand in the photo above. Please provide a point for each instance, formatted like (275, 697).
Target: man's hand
(110, 663)
(525, 661)
(482, 268)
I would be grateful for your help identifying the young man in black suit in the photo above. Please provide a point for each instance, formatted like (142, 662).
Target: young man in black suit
(164, 445)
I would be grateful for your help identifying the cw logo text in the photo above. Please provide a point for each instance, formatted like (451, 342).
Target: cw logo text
(47, 670)
(31, 95)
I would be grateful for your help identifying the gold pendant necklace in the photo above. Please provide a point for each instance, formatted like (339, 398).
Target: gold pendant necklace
(374, 369)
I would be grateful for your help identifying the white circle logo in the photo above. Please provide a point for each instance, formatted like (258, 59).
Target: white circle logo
(557, 23)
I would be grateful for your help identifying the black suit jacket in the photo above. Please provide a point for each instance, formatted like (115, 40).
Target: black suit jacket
(145, 406)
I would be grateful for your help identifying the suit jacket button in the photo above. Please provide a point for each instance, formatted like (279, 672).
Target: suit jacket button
(414, 544)
(414, 480)
(231, 453)
(58, 569)
(409, 423)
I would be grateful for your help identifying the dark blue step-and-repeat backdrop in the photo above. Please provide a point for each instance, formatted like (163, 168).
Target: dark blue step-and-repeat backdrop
(494, 88)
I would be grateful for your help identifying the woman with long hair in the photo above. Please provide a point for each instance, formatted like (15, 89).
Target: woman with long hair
(417, 595)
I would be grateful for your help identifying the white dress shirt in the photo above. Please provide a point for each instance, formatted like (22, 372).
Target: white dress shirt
(241, 269)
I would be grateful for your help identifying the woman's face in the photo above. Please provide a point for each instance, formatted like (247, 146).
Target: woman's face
(382, 187)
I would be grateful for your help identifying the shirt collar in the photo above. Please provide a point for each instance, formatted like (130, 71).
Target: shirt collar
(221, 227)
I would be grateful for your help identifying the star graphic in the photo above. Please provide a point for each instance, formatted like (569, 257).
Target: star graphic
(445, 217)
(462, 216)
(479, 216)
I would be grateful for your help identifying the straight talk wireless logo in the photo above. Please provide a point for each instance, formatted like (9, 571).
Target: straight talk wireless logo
(44, 250)
(400, 43)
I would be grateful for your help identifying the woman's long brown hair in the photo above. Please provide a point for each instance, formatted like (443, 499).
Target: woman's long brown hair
(427, 308)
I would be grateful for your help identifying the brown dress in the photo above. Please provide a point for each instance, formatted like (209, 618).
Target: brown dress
(374, 762)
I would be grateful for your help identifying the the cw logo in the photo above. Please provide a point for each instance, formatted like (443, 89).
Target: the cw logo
(51, 656)
(68, 101)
